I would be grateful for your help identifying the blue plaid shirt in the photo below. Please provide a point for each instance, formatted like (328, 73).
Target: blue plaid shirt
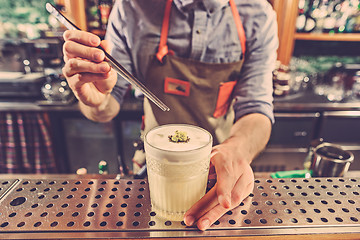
(203, 30)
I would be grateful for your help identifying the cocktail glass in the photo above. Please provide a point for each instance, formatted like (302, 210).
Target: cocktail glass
(177, 171)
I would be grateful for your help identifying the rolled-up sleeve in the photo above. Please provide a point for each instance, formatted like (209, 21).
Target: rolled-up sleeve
(253, 92)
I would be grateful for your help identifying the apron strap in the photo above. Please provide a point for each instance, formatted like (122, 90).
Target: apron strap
(163, 48)
(239, 26)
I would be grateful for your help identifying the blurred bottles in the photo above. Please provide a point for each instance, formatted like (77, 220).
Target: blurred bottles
(334, 83)
(97, 12)
(353, 22)
(92, 14)
(301, 19)
(329, 16)
(105, 8)
(340, 82)
(305, 21)
(281, 80)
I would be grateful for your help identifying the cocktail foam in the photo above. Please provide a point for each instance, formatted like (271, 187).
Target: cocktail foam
(157, 143)
(159, 138)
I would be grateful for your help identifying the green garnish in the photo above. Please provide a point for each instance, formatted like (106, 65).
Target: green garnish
(178, 137)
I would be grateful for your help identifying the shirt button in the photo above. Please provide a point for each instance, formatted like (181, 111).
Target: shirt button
(198, 31)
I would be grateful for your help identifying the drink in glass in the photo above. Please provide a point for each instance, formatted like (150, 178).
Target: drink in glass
(177, 167)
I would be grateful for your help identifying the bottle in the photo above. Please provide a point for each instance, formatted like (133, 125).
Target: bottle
(356, 85)
(341, 18)
(103, 167)
(301, 19)
(346, 10)
(105, 9)
(356, 28)
(315, 16)
(330, 17)
(311, 16)
(352, 24)
(329, 23)
(92, 14)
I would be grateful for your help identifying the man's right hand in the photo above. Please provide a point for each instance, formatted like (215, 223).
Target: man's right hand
(88, 75)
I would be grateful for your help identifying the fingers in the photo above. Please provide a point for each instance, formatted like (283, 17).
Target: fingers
(225, 179)
(209, 209)
(212, 216)
(82, 57)
(84, 78)
(75, 66)
(205, 204)
(243, 186)
(76, 50)
(86, 93)
(82, 37)
(241, 190)
(76, 83)
(88, 75)
(80, 44)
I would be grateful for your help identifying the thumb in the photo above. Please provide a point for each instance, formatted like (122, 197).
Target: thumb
(106, 45)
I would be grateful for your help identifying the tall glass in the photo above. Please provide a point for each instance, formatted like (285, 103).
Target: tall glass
(177, 171)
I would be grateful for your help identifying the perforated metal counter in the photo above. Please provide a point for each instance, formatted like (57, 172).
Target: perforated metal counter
(60, 208)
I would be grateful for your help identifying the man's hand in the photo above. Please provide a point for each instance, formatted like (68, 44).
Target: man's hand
(235, 178)
(90, 78)
(235, 181)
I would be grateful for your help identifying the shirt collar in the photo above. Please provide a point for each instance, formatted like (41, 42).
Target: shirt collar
(210, 5)
(214, 5)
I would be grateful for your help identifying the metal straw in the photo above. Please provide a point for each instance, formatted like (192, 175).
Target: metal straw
(112, 62)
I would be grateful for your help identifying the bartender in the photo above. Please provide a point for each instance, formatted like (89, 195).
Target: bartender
(210, 61)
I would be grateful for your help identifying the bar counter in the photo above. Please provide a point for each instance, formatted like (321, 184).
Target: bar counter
(307, 101)
(103, 207)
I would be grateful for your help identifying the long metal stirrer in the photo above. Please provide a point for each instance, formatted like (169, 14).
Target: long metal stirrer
(112, 62)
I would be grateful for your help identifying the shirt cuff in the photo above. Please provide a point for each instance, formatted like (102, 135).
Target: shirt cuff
(254, 107)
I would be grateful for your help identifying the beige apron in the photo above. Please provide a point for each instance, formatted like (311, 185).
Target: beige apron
(197, 93)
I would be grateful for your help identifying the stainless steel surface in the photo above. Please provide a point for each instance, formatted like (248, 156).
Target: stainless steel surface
(331, 160)
(112, 62)
(296, 115)
(98, 208)
(315, 106)
(309, 101)
(280, 159)
(132, 105)
(353, 114)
